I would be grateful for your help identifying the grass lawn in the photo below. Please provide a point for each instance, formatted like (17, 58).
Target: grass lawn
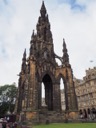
(67, 125)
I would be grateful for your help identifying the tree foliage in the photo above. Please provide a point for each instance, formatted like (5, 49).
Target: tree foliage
(8, 95)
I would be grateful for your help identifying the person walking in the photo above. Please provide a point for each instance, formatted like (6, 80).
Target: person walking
(0, 125)
(3, 124)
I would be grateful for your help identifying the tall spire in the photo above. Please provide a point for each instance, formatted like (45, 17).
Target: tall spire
(23, 68)
(65, 57)
(32, 35)
(43, 10)
(43, 25)
(32, 43)
(24, 55)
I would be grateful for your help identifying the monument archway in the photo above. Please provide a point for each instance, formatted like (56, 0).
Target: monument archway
(41, 67)
(47, 81)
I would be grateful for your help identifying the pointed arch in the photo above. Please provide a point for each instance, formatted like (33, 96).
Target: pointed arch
(59, 77)
(50, 74)
(48, 85)
(62, 84)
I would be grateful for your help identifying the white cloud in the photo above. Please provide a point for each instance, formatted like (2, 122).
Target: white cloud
(19, 17)
(79, 30)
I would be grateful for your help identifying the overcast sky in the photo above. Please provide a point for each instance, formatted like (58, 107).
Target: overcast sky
(73, 20)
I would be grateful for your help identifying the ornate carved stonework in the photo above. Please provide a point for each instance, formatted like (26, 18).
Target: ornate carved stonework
(41, 67)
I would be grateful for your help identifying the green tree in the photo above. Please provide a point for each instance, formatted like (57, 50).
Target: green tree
(8, 95)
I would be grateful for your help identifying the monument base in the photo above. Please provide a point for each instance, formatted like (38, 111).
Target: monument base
(71, 115)
(45, 117)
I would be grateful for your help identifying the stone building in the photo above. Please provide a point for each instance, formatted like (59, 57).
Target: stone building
(41, 67)
(86, 93)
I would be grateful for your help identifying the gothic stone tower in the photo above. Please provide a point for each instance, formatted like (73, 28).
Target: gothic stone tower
(41, 67)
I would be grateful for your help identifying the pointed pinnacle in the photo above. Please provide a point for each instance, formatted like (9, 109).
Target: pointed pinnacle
(43, 5)
(47, 18)
(43, 9)
(33, 34)
(24, 55)
(64, 44)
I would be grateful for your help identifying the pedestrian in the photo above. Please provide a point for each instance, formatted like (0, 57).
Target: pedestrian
(3, 124)
(7, 125)
(0, 125)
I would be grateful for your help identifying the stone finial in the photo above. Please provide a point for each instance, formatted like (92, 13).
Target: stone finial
(32, 34)
(65, 54)
(24, 54)
(43, 9)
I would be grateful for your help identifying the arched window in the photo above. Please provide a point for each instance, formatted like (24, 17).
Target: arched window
(88, 110)
(58, 61)
(85, 113)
